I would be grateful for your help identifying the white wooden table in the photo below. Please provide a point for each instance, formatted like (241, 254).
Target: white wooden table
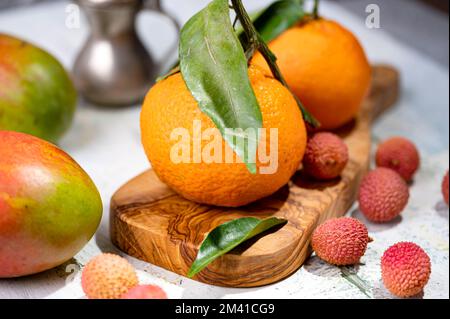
(106, 143)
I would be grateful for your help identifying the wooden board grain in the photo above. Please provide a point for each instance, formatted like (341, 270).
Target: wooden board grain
(152, 223)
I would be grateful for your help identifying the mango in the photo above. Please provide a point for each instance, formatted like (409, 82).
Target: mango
(49, 206)
(37, 95)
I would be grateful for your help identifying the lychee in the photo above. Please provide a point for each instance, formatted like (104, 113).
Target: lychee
(341, 241)
(383, 195)
(326, 156)
(406, 269)
(400, 155)
(145, 292)
(108, 276)
(445, 188)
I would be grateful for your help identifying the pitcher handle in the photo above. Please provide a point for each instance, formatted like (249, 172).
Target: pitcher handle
(155, 5)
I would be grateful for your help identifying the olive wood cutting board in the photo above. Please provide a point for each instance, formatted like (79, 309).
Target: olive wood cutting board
(151, 222)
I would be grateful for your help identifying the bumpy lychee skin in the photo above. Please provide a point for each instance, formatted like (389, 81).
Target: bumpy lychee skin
(341, 241)
(445, 188)
(383, 195)
(406, 269)
(326, 156)
(108, 276)
(145, 292)
(400, 155)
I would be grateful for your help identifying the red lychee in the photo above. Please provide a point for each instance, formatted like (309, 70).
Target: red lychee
(406, 269)
(325, 157)
(400, 155)
(145, 292)
(383, 195)
(108, 276)
(445, 188)
(341, 241)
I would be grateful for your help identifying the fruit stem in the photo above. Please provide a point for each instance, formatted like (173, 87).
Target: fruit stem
(256, 42)
(316, 9)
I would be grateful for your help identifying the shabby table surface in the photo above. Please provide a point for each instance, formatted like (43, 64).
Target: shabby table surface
(106, 142)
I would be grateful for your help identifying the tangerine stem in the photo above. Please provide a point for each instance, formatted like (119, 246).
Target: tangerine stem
(316, 9)
(256, 42)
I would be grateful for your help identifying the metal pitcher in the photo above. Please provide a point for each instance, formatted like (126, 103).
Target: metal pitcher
(114, 68)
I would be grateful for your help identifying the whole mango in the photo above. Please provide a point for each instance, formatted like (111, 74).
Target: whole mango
(37, 96)
(49, 207)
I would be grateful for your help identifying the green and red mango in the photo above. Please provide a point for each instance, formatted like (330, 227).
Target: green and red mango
(37, 95)
(49, 206)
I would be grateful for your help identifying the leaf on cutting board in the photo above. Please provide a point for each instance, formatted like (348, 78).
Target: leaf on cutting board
(228, 236)
(214, 67)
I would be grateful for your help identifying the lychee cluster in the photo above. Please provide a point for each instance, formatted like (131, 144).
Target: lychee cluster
(383, 195)
(341, 241)
(384, 192)
(326, 156)
(406, 267)
(110, 276)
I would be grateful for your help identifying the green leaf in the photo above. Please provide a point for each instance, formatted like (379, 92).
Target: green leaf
(214, 67)
(228, 236)
(352, 277)
(277, 18)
